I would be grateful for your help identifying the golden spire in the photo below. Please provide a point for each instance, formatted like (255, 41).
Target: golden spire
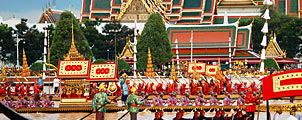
(73, 53)
(25, 70)
(195, 73)
(150, 69)
(173, 73)
(3, 74)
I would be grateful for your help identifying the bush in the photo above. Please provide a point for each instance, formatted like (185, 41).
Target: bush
(270, 63)
(100, 61)
(123, 65)
(36, 66)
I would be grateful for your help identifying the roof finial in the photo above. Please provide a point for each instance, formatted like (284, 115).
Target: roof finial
(72, 39)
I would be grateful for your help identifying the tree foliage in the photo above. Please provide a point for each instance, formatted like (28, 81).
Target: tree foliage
(287, 29)
(123, 65)
(112, 31)
(36, 66)
(62, 38)
(155, 37)
(270, 63)
(100, 61)
(32, 42)
(7, 44)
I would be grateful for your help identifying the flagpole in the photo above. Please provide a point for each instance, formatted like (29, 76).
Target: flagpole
(177, 56)
(135, 50)
(191, 46)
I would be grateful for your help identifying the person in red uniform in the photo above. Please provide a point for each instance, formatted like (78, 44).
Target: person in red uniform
(8, 89)
(206, 88)
(17, 89)
(37, 90)
(251, 100)
(28, 89)
(22, 90)
(229, 88)
(1, 91)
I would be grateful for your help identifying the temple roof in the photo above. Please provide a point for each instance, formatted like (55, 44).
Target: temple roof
(127, 51)
(50, 16)
(273, 49)
(212, 40)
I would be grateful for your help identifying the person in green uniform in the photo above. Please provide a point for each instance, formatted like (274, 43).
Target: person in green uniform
(131, 104)
(100, 99)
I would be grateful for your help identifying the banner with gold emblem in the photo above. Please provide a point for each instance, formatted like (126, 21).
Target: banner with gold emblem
(103, 71)
(201, 68)
(287, 83)
(74, 68)
(211, 69)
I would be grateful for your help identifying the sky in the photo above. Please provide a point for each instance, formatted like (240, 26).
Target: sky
(32, 9)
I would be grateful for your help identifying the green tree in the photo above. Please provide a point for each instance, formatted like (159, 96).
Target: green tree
(32, 43)
(7, 44)
(123, 65)
(62, 38)
(90, 31)
(100, 61)
(287, 29)
(112, 31)
(155, 37)
(270, 63)
(36, 66)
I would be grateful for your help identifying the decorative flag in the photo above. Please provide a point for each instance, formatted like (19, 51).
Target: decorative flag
(287, 83)
(267, 2)
(265, 28)
(263, 54)
(266, 14)
(264, 41)
(262, 67)
(201, 68)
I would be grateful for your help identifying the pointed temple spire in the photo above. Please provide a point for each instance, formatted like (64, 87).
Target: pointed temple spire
(25, 70)
(173, 73)
(150, 69)
(3, 74)
(73, 53)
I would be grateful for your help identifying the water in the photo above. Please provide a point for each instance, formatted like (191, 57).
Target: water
(115, 116)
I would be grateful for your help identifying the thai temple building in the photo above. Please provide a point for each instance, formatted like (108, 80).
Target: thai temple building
(50, 16)
(207, 30)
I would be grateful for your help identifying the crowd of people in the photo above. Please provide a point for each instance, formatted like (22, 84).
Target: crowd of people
(28, 102)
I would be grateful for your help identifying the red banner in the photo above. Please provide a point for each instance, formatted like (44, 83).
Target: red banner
(288, 83)
(103, 71)
(211, 69)
(201, 68)
(73, 68)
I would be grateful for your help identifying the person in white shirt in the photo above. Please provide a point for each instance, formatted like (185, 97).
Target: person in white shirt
(277, 114)
(292, 116)
(56, 84)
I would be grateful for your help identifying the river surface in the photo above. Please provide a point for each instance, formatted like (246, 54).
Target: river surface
(115, 116)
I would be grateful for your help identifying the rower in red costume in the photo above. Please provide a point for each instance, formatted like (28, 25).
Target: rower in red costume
(251, 100)
(182, 89)
(216, 88)
(92, 90)
(8, 89)
(17, 89)
(22, 90)
(193, 88)
(253, 86)
(118, 89)
(206, 88)
(229, 87)
(1, 91)
(239, 88)
(28, 89)
(37, 90)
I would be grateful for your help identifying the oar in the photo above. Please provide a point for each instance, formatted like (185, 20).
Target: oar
(128, 111)
(98, 108)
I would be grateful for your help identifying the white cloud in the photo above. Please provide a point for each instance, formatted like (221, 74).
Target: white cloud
(32, 16)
